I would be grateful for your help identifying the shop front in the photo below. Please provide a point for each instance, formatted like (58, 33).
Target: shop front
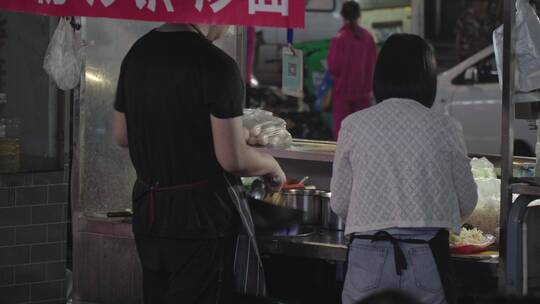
(305, 264)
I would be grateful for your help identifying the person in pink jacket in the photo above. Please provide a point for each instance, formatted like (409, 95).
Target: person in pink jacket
(351, 61)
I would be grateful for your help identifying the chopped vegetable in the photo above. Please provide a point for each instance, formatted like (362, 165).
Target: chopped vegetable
(468, 237)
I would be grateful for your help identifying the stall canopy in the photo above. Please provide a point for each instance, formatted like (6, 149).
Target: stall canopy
(275, 13)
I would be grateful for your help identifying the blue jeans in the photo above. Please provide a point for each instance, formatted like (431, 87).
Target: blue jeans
(371, 268)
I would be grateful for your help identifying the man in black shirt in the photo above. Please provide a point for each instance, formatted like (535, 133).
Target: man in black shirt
(178, 109)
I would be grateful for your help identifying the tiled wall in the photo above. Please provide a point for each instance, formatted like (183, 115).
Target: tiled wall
(33, 236)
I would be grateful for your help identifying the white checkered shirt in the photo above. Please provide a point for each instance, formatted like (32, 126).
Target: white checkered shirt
(401, 165)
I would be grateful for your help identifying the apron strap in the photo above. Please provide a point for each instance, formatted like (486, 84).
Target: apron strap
(399, 256)
(248, 268)
(152, 190)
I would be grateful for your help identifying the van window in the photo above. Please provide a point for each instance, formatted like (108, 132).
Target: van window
(320, 5)
(487, 72)
(382, 4)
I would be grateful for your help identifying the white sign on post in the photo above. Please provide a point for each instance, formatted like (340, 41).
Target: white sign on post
(293, 72)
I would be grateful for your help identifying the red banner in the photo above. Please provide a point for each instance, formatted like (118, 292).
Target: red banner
(276, 13)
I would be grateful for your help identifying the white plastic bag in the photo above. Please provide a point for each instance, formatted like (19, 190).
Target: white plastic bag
(527, 38)
(263, 129)
(482, 168)
(64, 56)
(486, 214)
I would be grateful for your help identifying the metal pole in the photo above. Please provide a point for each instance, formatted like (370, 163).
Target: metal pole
(438, 17)
(417, 23)
(516, 256)
(52, 137)
(507, 143)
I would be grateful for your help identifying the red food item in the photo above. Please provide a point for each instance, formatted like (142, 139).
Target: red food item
(293, 186)
(468, 249)
(473, 248)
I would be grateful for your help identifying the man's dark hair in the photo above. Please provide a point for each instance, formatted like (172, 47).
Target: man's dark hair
(406, 68)
(390, 297)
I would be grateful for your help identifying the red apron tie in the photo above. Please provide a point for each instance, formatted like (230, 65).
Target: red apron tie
(152, 190)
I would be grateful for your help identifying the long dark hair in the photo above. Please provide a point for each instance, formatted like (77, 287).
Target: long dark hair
(406, 68)
(351, 12)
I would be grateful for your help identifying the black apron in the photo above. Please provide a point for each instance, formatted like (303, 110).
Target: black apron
(249, 278)
(439, 247)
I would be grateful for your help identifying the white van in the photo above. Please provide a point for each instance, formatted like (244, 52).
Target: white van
(470, 92)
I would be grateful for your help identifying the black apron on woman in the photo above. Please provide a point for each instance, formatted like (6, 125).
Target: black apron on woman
(439, 246)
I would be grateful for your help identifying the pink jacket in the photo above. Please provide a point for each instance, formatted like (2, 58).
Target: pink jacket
(351, 62)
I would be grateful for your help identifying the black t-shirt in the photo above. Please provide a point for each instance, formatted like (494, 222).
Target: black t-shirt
(170, 83)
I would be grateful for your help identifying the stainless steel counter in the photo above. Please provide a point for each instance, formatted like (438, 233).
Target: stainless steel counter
(325, 245)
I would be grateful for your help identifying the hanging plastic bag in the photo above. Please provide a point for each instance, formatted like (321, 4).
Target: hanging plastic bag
(527, 48)
(64, 56)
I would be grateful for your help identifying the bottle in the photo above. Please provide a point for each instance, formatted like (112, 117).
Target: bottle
(3, 102)
(10, 148)
(2, 128)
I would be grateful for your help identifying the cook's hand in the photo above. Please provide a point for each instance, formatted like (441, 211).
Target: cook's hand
(275, 180)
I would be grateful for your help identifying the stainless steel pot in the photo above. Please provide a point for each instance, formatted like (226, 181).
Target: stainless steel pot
(330, 220)
(306, 200)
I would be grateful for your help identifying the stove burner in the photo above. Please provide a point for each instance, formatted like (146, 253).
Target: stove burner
(293, 231)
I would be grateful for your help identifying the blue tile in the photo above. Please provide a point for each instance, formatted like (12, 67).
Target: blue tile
(14, 255)
(15, 216)
(31, 273)
(7, 236)
(6, 275)
(58, 194)
(47, 214)
(47, 291)
(31, 234)
(15, 294)
(47, 252)
(35, 195)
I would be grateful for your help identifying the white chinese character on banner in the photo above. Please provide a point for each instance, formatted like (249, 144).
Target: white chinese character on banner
(256, 6)
(105, 3)
(216, 6)
(57, 2)
(151, 5)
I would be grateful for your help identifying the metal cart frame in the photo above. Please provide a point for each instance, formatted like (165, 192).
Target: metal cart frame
(513, 264)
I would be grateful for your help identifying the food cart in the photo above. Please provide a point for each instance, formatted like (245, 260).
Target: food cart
(106, 266)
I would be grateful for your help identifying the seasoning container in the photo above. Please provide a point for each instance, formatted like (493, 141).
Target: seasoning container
(330, 220)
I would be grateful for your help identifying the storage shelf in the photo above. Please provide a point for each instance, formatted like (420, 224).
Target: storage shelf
(522, 189)
(527, 97)
(305, 150)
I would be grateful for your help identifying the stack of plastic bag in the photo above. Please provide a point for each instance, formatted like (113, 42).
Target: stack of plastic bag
(527, 37)
(486, 215)
(262, 128)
